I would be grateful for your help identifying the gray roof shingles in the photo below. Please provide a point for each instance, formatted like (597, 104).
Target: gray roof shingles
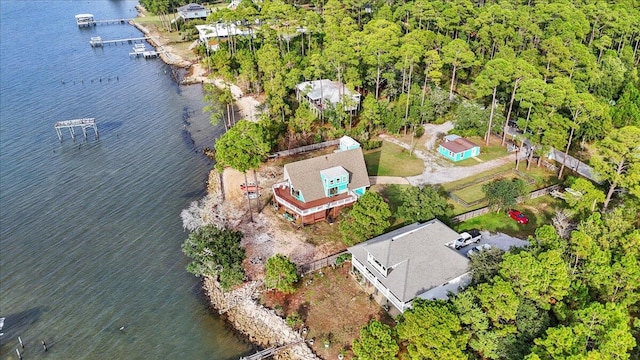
(305, 175)
(417, 256)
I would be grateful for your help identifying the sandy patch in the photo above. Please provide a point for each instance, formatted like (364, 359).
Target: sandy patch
(268, 234)
(197, 73)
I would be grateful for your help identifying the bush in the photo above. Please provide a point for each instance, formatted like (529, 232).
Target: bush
(419, 132)
(294, 320)
(372, 144)
(281, 274)
(342, 258)
(217, 253)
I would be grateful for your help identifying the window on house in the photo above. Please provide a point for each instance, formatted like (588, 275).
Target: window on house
(295, 192)
(333, 191)
(344, 179)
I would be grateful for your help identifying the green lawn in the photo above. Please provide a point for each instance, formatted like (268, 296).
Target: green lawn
(486, 154)
(472, 193)
(495, 171)
(392, 160)
(540, 211)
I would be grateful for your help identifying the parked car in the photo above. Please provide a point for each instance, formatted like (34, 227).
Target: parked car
(476, 249)
(518, 216)
(466, 238)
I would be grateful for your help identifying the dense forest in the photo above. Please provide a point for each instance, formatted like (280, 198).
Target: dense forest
(564, 72)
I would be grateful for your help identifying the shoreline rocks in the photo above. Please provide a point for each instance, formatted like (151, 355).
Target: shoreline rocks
(260, 325)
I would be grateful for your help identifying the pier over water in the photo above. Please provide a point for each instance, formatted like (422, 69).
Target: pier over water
(84, 124)
(87, 20)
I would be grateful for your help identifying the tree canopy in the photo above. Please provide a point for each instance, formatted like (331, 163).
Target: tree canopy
(503, 193)
(422, 203)
(216, 253)
(281, 273)
(377, 342)
(369, 217)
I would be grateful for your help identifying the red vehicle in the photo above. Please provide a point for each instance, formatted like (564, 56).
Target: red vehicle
(518, 216)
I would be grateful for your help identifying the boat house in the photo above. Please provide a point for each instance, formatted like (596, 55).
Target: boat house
(85, 20)
(317, 189)
(456, 148)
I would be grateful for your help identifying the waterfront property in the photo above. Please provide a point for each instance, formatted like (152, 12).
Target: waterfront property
(411, 262)
(325, 93)
(193, 11)
(317, 189)
(212, 34)
(456, 148)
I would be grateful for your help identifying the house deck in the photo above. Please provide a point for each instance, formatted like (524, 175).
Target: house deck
(311, 211)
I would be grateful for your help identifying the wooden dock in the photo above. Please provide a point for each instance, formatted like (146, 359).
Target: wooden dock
(96, 41)
(84, 124)
(141, 50)
(111, 21)
(145, 54)
(268, 352)
(87, 20)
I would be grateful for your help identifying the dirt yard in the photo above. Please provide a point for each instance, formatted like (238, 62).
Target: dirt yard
(332, 306)
(270, 234)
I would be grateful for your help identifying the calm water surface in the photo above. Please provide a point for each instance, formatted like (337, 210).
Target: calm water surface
(90, 231)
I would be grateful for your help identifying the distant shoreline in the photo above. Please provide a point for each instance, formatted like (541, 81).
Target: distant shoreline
(196, 74)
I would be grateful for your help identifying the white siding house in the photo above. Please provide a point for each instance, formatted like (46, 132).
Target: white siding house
(412, 262)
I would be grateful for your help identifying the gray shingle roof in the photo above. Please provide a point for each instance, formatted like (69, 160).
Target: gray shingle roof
(305, 175)
(191, 7)
(417, 257)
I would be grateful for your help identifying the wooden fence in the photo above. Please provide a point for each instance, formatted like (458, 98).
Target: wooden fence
(319, 264)
(484, 210)
(306, 148)
(528, 179)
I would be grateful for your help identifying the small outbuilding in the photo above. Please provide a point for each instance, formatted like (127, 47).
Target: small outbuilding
(456, 148)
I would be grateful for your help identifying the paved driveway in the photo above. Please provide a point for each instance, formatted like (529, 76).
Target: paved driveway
(499, 240)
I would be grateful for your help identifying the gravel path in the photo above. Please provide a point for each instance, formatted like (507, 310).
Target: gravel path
(438, 170)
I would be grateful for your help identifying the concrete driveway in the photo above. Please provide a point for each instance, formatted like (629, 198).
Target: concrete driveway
(499, 240)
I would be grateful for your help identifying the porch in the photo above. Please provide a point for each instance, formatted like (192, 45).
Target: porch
(303, 213)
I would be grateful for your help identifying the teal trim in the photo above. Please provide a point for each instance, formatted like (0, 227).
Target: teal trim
(474, 151)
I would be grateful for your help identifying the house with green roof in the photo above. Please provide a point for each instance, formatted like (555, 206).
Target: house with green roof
(415, 261)
(317, 189)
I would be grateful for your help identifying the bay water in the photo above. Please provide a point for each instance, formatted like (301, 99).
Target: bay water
(90, 230)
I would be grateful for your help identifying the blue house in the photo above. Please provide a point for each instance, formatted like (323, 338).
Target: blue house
(456, 148)
(318, 188)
